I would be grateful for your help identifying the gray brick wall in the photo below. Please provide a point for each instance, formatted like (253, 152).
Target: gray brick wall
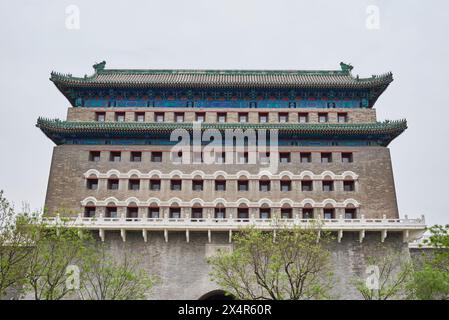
(375, 189)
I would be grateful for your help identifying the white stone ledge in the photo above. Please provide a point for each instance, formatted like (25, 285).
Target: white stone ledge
(411, 229)
(220, 201)
(241, 174)
(235, 224)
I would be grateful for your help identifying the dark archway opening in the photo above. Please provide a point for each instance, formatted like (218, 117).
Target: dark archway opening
(216, 295)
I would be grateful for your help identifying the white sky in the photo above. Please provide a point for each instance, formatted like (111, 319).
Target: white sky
(412, 42)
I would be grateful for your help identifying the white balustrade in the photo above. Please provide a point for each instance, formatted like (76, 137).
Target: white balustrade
(211, 223)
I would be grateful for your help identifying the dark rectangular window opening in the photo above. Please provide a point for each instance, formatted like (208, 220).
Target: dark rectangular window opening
(242, 185)
(220, 213)
(113, 184)
(264, 185)
(153, 212)
(263, 117)
(120, 116)
(175, 185)
(92, 184)
(329, 214)
(111, 212)
(200, 117)
(305, 157)
(132, 212)
(179, 117)
(303, 117)
(243, 117)
(175, 213)
(220, 185)
(134, 184)
(89, 212)
(136, 156)
(286, 185)
(100, 116)
(286, 213)
(156, 156)
(307, 185)
(221, 117)
(265, 213)
(342, 117)
(284, 157)
(140, 117)
(283, 117)
(155, 184)
(242, 213)
(197, 185)
(328, 185)
(322, 117)
(307, 213)
(350, 213)
(348, 185)
(159, 117)
(326, 157)
(94, 156)
(115, 156)
(347, 157)
(197, 213)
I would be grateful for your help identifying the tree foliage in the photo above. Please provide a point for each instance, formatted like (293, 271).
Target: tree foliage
(431, 280)
(54, 249)
(14, 249)
(36, 259)
(105, 277)
(290, 264)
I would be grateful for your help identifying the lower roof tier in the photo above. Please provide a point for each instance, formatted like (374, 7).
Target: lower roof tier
(62, 132)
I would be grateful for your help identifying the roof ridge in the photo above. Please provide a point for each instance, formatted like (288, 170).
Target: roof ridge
(100, 69)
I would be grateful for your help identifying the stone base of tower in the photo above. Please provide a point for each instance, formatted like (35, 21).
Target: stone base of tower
(184, 273)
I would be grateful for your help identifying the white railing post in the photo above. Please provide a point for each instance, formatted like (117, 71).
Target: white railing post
(79, 218)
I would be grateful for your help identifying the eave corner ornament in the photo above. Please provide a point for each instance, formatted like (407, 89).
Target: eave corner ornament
(346, 67)
(99, 66)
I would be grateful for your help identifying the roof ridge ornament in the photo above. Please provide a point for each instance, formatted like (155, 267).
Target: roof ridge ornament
(99, 66)
(346, 67)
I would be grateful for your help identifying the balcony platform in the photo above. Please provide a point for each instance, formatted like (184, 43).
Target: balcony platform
(412, 229)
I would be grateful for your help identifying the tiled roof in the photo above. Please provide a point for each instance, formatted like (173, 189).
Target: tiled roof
(223, 78)
(390, 129)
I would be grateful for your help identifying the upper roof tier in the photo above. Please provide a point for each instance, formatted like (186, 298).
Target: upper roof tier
(123, 78)
(59, 131)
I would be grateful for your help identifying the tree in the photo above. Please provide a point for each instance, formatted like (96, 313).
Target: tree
(431, 280)
(390, 275)
(54, 250)
(105, 277)
(14, 249)
(290, 264)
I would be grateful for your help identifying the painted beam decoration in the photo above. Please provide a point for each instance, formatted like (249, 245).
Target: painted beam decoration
(222, 88)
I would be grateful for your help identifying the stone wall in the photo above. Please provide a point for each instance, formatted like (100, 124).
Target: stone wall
(374, 191)
(184, 272)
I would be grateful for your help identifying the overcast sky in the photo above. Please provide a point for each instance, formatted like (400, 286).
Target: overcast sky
(411, 41)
